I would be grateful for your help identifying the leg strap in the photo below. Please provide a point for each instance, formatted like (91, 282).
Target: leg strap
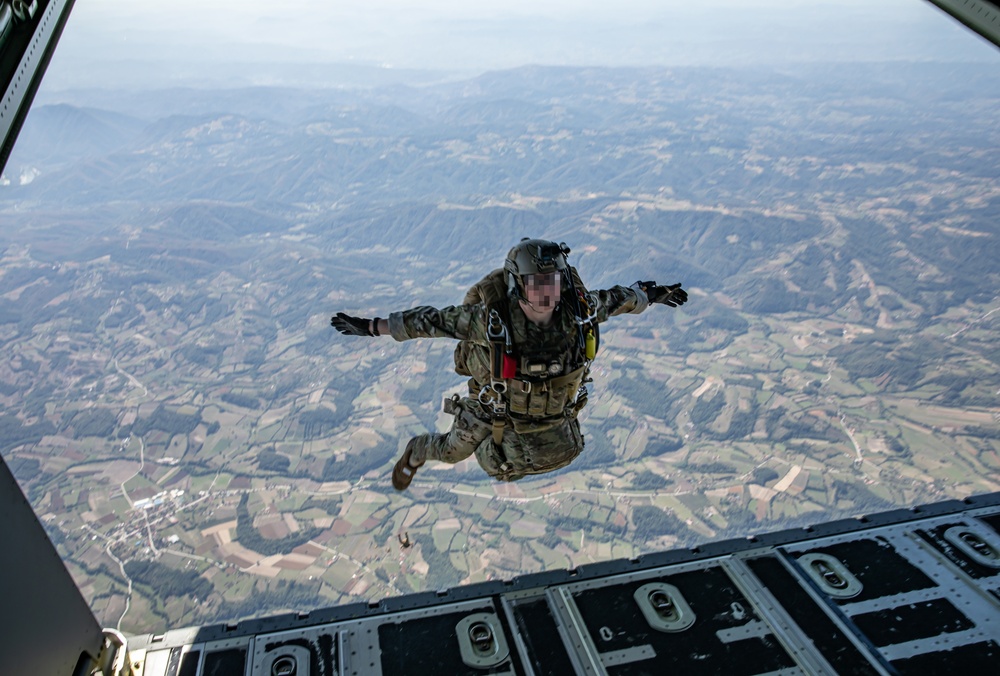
(498, 425)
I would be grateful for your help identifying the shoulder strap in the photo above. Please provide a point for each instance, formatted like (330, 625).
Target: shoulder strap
(491, 290)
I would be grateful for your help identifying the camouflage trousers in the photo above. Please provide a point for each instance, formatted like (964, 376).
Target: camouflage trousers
(532, 450)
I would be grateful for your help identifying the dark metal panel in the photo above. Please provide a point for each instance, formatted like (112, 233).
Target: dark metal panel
(883, 572)
(46, 623)
(981, 16)
(431, 646)
(846, 653)
(980, 658)
(228, 662)
(537, 636)
(937, 537)
(922, 620)
(686, 618)
(912, 596)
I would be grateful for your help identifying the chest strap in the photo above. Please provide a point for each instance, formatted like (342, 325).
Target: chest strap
(578, 374)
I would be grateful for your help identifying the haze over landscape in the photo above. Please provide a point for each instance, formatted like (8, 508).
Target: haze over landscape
(303, 43)
(182, 417)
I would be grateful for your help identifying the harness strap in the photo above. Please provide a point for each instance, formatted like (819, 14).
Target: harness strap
(566, 379)
(503, 368)
(498, 427)
(492, 400)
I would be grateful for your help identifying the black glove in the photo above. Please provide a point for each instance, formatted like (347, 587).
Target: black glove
(354, 326)
(672, 295)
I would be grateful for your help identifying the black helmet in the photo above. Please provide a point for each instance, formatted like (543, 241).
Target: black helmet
(532, 256)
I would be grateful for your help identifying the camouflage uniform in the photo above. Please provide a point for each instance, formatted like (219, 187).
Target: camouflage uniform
(533, 442)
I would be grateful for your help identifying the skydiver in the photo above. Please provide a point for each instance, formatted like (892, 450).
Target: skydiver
(527, 334)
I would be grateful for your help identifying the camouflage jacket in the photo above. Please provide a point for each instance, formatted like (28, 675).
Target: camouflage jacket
(468, 322)
(550, 364)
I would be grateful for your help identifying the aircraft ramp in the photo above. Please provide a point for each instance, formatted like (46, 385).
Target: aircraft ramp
(908, 592)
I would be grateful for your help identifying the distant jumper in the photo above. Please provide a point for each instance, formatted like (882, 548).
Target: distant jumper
(527, 334)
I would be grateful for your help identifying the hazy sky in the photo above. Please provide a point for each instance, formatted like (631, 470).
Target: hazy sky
(120, 40)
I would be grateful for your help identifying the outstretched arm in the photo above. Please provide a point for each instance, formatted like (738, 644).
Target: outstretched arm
(463, 322)
(634, 299)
